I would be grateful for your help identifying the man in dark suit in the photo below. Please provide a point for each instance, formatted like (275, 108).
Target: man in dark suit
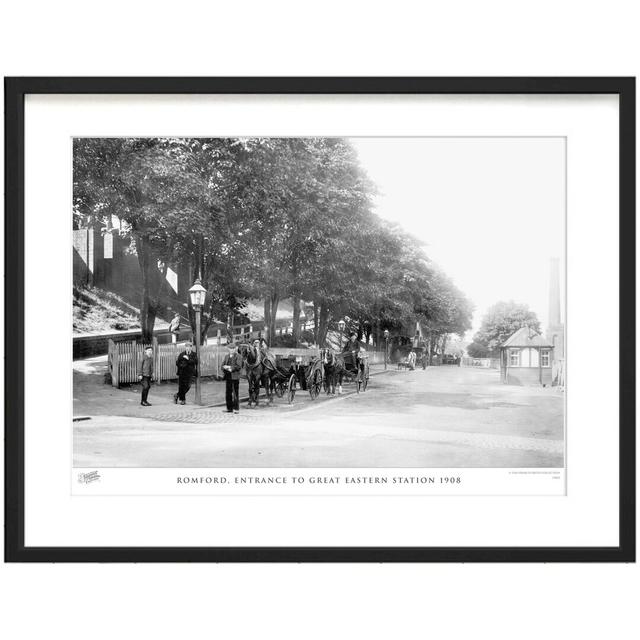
(187, 366)
(231, 366)
(352, 350)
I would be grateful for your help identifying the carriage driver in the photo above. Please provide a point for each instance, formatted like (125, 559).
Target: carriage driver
(352, 344)
(353, 347)
(260, 346)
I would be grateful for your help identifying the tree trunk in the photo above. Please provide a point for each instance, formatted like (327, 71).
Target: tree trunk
(147, 307)
(316, 333)
(267, 315)
(296, 320)
(444, 343)
(324, 325)
(147, 317)
(206, 320)
(432, 343)
(275, 300)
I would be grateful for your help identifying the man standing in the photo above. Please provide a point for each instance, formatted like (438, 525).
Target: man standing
(174, 328)
(231, 366)
(186, 366)
(145, 373)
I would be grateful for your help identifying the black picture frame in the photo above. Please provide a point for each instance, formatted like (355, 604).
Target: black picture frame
(15, 91)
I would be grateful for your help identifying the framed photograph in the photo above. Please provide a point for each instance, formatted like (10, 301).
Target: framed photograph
(320, 319)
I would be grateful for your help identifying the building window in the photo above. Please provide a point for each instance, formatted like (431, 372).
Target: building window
(514, 358)
(544, 358)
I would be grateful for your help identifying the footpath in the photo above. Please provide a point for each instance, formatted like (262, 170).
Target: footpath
(93, 397)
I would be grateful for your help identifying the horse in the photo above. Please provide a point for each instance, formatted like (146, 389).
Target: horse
(257, 374)
(336, 368)
(334, 371)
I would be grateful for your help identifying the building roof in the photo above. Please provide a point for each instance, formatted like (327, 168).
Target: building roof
(526, 337)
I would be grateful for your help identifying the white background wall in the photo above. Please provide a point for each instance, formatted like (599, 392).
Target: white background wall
(328, 38)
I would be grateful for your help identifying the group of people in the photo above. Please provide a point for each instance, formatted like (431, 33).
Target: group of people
(187, 366)
(186, 369)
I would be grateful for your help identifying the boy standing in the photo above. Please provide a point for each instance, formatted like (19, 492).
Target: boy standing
(145, 373)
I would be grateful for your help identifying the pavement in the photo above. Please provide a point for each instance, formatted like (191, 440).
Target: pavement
(93, 397)
(440, 417)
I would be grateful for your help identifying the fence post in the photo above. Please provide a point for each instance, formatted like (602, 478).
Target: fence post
(156, 359)
(113, 363)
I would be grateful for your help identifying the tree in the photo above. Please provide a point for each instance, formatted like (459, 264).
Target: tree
(211, 240)
(445, 310)
(133, 180)
(266, 218)
(476, 350)
(171, 195)
(501, 321)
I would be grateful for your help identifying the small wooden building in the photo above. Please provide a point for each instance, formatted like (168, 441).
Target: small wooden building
(526, 358)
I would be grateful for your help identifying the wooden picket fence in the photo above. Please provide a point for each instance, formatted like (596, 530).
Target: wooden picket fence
(124, 357)
(485, 363)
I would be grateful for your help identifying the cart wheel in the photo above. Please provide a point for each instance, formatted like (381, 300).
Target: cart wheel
(291, 389)
(279, 390)
(315, 385)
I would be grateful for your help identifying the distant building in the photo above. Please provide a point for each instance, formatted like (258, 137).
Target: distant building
(526, 359)
(103, 258)
(555, 328)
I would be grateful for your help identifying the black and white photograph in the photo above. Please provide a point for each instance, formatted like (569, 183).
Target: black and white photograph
(319, 302)
(363, 319)
(320, 321)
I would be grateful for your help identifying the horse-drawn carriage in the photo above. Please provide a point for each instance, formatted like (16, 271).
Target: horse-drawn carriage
(402, 357)
(352, 366)
(284, 381)
(422, 357)
(280, 375)
(283, 375)
(263, 370)
(309, 372)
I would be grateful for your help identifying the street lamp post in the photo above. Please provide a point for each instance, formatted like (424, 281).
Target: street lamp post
(341, 327)
(197, 294)
(386, 348)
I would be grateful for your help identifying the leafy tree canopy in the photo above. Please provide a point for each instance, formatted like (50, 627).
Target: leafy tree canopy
(268, 218)
(501, 321)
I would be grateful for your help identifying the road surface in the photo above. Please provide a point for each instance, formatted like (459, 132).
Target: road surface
(443, 417)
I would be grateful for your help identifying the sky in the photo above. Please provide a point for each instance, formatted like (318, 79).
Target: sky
(491, 211)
